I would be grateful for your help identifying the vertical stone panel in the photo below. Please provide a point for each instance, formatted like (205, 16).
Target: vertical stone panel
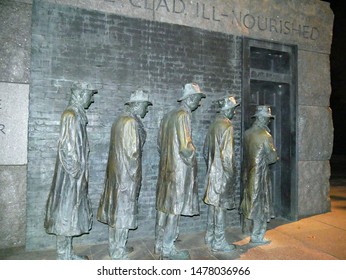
(12, 206)
(14, 103)
(313, 193)
(313, 79)
(15, 37)
(315, 133)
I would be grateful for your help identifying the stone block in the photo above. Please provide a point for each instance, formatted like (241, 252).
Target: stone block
(315, 133)
(314, 80)
(14, 103)
(306, 23)
(12, 206)
(15, 37)
(313, 187)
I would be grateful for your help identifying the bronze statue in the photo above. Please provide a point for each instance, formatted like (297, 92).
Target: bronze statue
(221, 171)
(118, 203)
(259, 153)
(177, 192)
(68, 209)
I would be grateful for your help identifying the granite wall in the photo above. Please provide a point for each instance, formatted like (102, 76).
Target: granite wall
(203, 31)
(15, 49)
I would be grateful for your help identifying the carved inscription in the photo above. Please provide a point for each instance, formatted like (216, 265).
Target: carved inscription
(170, 6)
(244, 20)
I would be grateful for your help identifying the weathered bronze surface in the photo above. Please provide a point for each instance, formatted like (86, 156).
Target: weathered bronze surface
(259, 153)
(118, 203)
(68, 209)
(177, 192)
(218, 152)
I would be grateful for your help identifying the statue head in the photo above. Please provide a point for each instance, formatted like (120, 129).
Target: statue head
(83, 94)
(227, 106)
(139, 102)
(192, 96)
(263, 114)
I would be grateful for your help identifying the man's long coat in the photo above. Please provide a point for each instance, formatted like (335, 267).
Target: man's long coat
(68, 209)
(177, 191)
(221, 171)
(118, 203)
(259, 153)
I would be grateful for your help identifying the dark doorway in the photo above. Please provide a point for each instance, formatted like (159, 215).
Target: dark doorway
(269, 78)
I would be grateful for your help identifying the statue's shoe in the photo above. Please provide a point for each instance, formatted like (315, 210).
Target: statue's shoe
(260, 241)
(175, 254)
(77, 257)
(225, 247)
(129, 250)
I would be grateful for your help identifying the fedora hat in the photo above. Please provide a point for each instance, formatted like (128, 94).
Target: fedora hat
(139, 95)
(191, 89)
(263, 110)
(84, 86)
(227, 103)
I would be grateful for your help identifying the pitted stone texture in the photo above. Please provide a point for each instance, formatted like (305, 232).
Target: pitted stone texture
(14, 103)
(15, 37)
(314, 79)
(315, 133)
(307, 23)
(313, 192)
(12, 206)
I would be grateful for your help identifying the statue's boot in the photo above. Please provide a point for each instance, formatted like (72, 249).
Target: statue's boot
(174, 254)
(119, 254)
(117, 243)
(258, 232)
(129, 249)
(77, 257)
(63, 247)
(260, 241)
(159, 231)
(219, 243)
(65, 250)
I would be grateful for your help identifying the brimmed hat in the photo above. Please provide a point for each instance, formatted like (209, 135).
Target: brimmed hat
(139, 95)
(84, 85)
(191, 89)
(263, 110)
(227, 103)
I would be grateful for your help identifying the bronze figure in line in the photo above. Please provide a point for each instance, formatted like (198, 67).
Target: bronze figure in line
(68, 209)
(177, 192)
(118, 203)
(219, 195)
(259, 152)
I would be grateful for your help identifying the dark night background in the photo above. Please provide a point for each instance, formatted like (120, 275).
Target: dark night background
(338, 76)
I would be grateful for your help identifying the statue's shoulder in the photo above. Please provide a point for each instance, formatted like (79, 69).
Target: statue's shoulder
(173, 114)
(222, 123)
(70, 112)
(126, 119)
(180, 112)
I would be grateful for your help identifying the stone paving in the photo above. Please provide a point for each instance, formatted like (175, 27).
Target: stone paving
(320, 237)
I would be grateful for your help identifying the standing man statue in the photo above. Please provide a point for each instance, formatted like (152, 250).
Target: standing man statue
(259, 153)
(221, 174)
(68, 209)
(118, 203)
(177, 192)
